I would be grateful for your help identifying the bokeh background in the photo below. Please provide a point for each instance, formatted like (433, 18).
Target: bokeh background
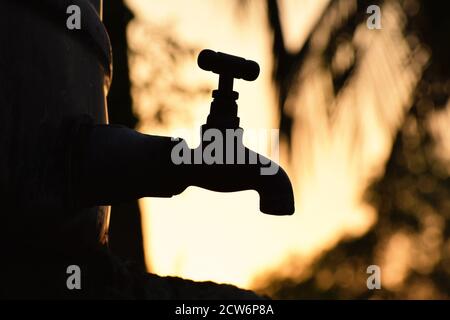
(364, 121)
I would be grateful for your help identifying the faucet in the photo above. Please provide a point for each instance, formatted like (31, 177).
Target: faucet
(113, 163)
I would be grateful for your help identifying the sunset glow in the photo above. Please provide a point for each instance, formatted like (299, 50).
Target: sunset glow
(203, 235)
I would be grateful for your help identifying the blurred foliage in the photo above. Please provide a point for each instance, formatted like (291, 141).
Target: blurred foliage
(158, 61)
(409, 241)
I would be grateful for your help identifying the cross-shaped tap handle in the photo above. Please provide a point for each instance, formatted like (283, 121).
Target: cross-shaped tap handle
(228, 67)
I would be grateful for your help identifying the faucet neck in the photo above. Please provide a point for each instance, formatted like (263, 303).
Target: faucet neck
(224, 109)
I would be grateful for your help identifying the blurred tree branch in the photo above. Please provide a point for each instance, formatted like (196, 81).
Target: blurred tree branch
(412, 196)
(157, 59)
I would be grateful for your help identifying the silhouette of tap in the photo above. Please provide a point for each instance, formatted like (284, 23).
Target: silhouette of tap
(245, 170)
(115, 163)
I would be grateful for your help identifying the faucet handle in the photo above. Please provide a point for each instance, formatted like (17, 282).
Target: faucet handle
(227, 65)
(223, 112)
